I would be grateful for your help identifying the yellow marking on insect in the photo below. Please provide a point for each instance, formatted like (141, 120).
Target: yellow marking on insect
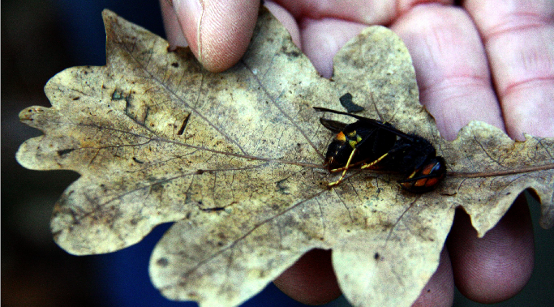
(412, 174)
(340, 137)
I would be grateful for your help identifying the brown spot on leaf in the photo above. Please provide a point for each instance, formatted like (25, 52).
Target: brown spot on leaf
(163, 262)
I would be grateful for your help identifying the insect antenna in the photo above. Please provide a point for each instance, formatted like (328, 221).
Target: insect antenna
(376, 109)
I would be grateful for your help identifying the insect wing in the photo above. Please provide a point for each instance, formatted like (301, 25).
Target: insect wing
(333, 125)
(369, 121)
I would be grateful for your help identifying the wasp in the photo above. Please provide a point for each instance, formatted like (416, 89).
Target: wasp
(372, 144)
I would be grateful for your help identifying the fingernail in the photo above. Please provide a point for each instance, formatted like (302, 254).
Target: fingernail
(190, 15)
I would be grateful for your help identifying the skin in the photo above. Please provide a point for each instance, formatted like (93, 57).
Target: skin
(478, 60)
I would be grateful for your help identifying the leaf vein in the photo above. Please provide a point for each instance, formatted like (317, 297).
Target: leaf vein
(274, 102)
(176, 96)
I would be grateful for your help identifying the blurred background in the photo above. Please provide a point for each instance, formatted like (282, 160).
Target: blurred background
(39, 39)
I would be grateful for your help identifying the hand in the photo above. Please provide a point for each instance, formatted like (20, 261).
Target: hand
(485, 60)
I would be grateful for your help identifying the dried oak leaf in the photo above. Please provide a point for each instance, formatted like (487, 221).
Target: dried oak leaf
(235, 159)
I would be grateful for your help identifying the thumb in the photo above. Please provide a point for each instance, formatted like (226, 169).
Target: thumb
(217, 31)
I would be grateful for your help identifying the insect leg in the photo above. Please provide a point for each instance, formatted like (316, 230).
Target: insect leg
(345, 169)
(373, 163)
(340, 169)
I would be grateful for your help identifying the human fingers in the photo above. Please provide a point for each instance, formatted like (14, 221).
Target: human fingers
(519, 41)
(174, 33)
(451, 67)
(321, 39)
(496, 267)
(286, 19)
(439, 290)
(369, 12)
(311, 280)
(218, 32)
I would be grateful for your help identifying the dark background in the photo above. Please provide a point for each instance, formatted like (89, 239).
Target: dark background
(39, 39)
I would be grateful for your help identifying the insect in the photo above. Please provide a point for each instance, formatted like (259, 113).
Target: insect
(372, 144)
